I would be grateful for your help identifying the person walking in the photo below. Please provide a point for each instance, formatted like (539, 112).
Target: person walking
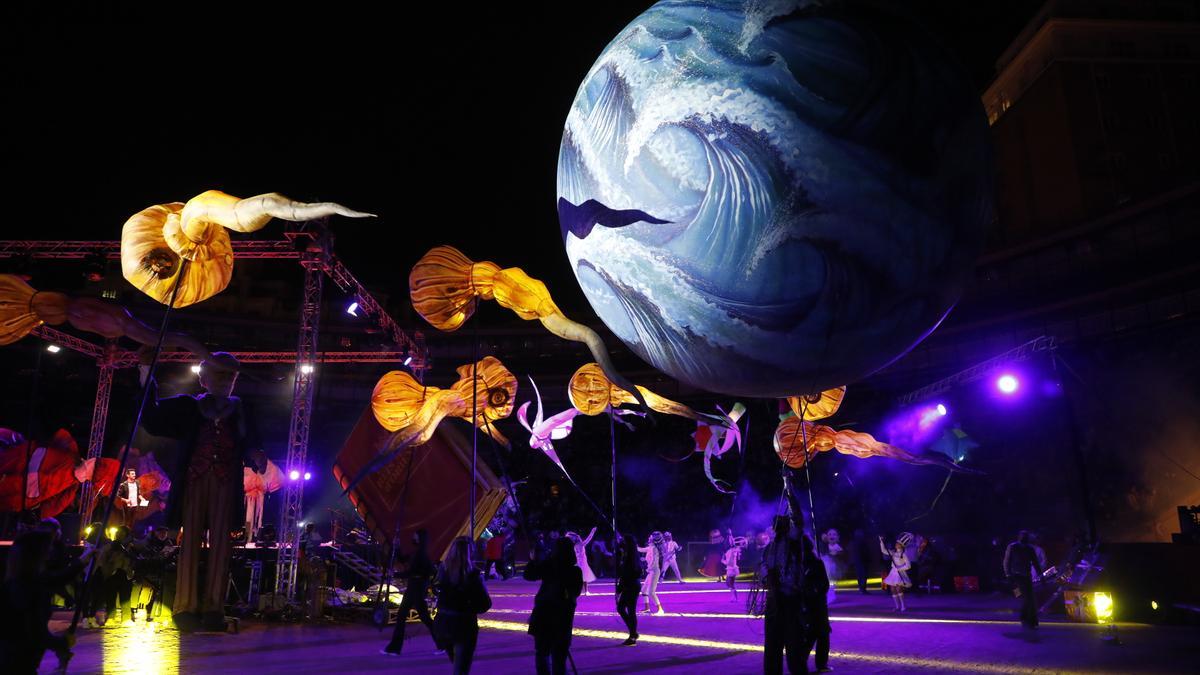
(628, 585)
(554, 605)
(462, 597)
(814, 593)
(420, 571)
(1020, 564)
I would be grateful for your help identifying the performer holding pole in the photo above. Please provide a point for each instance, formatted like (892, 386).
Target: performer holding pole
(216, 441)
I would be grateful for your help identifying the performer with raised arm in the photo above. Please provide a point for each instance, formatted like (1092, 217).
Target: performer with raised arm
(216, 441)
(581, 558)
(782, 573)
(897, 579)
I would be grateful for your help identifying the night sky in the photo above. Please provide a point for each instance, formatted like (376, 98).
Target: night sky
(445, 122)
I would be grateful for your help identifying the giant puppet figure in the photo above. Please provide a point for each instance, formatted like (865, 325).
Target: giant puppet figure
(216, 442)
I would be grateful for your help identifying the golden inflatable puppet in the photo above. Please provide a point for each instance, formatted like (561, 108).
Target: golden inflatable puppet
(591, 393)
(22, 309)
(446, 287)
(798, 438)
(484, 393)
(157, 239)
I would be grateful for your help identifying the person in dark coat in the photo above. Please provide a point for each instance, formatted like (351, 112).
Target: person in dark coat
(216, 441)
(629, 585)
(814, 589)
(420, 571)
(782, 573)
(861, 550)
(25, 608)
(462, 597)
(554, 606)
(1020, 564)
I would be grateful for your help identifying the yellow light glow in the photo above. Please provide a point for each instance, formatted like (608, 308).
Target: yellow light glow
(111, 532)
(889, 660)
(141, 647)
(87, 531)
(1103, 604)
(846, 619)
(1154, 604)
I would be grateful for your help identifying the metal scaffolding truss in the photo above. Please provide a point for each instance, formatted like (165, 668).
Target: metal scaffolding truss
(273, 249)
(297, 448)
(306, 242)
(980, 370)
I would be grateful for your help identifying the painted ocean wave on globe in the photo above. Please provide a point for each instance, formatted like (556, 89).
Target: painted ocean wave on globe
(772, 198)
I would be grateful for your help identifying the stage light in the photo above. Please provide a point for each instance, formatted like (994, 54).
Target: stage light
(53, 349)
(1154, 605)
(196, 368)
(301, 524)
(111, 532)
(352, 309)
(1007, 384)
(306, 368)
(1103, 604)
(307, 475)
(407, 360)
(294, 474)
(941, 409)
(87, 531)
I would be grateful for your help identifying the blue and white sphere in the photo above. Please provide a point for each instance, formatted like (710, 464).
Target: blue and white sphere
(821, 177)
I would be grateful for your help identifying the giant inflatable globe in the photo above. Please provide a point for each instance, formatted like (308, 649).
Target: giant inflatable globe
(773, 198)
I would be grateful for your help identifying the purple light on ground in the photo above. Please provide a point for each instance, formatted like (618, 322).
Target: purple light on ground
(1007, 384)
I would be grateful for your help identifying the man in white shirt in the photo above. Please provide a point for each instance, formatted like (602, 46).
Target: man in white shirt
(129, 499)
(672, 561)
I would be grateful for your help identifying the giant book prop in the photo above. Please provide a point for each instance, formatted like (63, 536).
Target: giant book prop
(438, 493)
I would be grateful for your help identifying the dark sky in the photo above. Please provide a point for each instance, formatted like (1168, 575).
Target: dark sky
(445, 120)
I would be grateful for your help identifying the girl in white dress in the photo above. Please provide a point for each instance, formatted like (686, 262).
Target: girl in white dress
(581, 557)
(897, 579)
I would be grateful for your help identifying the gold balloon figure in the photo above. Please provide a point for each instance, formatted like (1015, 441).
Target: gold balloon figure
(22, 309)
(798, 438)
(817, 406)
(412, 411)
(156, 240)
(592, 394)
(446, 287)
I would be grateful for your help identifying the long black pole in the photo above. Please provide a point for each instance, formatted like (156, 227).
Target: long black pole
(612, 437)
(474, 418)
(124, 453)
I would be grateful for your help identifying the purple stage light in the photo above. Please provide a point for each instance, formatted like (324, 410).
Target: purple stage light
(1007, 384)
(294, 474)
(941, 409)
(307, 475)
